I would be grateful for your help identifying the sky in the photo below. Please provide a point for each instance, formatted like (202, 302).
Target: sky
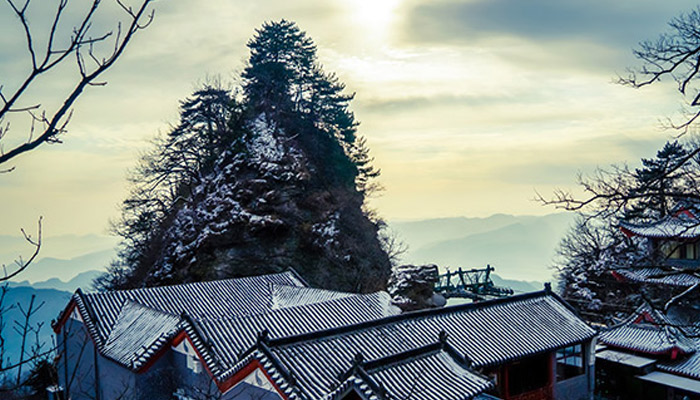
(469, 107)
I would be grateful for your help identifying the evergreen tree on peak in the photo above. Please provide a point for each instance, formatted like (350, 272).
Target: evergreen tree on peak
(284, 80)
(256, 181)
(282, 60)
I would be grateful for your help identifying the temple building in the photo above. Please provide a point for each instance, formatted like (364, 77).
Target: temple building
(652, 354)
(675, 242)
(274, 337)
(655, 351)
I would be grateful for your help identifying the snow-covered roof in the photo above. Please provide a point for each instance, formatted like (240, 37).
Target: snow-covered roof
(139, 330)
(675, 381)
(689, 366)
(651, 331)
(649, 339)
(660, 276)
(230, 337)
(284, 296)
(680, 226)
(426, 373)
(482, 334)
(433, 374)
(627, 359)
(315, 335)
(130, 326)
(227, 298)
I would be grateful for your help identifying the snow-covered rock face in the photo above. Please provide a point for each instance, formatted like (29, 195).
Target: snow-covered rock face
(264, 146)
(264, 207)
(326, 233)
(411, 287)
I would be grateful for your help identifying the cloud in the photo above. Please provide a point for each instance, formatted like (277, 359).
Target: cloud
(616, 23)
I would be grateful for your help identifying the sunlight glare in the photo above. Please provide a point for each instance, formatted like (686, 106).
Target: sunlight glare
(374, 16)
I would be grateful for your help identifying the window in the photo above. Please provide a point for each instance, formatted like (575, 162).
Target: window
(690, 251)
(671, 249)
(569, 362)
(679, 251)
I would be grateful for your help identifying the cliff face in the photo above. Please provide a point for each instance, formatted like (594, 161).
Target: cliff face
(270, 207)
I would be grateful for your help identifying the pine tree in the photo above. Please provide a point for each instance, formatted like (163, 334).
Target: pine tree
(594, 247)
(659, 178)
(281, 64)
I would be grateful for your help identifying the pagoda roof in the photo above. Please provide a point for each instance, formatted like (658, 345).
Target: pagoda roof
(651, 331)
(682, 225)
(670, 276)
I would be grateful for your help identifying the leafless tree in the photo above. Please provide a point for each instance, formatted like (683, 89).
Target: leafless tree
(676, 55)
(24, 329)
(673, 55)
(76, 35)
(21, 264)
(609, 194)
(392, 244)
(92, 48)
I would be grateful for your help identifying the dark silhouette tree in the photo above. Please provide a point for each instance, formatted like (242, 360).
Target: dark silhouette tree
(674, 55)
(257, 180)
(662, 176)
(74, 32)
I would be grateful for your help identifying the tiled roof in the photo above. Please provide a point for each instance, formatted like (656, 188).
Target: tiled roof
(425, 373)
(660, 276)
(223, 318)
(138, 333)
(687, 366)
(647, 338)
(485, 334)
(284, 296)
(309, 344)
(680, 227)
(433, 375)
(201, 300)
(230, 337)
(649, 330)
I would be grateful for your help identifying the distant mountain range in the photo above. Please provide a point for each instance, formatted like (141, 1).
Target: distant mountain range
(82, 280)
(61, 258)
(519, 247)
(50, 303)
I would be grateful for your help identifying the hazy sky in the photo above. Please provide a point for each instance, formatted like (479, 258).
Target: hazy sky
(468, 106)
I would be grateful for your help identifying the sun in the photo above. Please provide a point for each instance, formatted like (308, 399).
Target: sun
(374, 16)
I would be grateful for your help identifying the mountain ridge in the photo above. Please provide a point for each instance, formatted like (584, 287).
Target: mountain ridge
(519, 247)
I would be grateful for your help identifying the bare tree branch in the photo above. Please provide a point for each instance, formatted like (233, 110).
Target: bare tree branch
(23, 264)
(81, 41)
(675, 54)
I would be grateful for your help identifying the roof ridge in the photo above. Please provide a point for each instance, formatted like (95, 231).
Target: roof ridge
(398, 358)
(162, 287)
(296, 275)
(354, 296)
(411, 315)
